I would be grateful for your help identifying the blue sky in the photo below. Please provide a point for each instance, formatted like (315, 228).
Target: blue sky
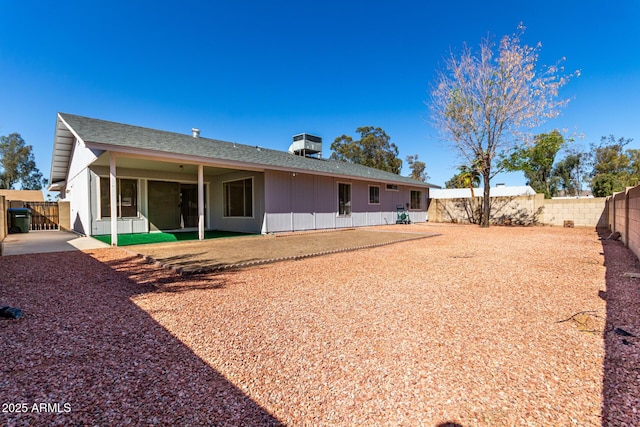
(258, 72)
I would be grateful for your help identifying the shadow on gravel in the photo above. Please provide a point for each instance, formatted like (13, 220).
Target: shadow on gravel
(210, 256)
(621, 375)
(85, 354)
(193, 264)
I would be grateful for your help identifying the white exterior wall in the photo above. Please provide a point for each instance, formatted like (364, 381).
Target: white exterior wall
(76, 191)
(138, 224)
(77, 187)
(100, 225)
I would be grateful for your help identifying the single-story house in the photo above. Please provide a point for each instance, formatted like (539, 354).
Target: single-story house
(120, 178)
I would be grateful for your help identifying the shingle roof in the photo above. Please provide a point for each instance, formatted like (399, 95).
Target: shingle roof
(95, 131)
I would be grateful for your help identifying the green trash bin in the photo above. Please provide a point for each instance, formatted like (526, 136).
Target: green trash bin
(19, 220)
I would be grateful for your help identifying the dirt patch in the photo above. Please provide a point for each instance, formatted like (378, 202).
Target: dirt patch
(221, 254)
(590, 322)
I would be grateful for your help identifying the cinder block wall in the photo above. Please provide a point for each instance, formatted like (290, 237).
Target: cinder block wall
(624, 217)
(620, 213)
(632, 238)
(504, 210)
(589, 212)
(3, 219)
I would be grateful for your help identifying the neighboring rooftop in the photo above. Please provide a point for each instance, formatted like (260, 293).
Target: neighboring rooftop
(23, 195)
(465, 193)
(106, 135)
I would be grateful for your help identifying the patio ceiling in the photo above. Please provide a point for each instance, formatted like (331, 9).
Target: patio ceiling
(164, 165)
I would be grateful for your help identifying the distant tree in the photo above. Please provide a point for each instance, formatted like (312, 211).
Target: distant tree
(609, 156)
(17, 164)
(569, 172)
(613, 167)
(373, 149)
(605, 184)
(467, 177)
(536, 162)
(485, 102)
(634, 166)
(418, 168)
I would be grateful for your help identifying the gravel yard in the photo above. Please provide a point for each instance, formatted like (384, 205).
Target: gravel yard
(503, 326)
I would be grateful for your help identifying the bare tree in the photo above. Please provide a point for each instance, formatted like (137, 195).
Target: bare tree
(486, 102)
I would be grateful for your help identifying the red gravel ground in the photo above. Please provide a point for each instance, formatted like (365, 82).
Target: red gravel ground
(475, 327)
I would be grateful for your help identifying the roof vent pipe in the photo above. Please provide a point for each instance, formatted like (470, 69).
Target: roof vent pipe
(196, 132)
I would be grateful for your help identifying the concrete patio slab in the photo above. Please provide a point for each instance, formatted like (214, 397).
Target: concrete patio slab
(35, 242)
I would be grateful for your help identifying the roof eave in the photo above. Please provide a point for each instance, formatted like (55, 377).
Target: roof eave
(63, 140)
(208, 161)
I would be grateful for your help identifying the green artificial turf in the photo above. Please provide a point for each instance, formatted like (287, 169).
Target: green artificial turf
(145, 238)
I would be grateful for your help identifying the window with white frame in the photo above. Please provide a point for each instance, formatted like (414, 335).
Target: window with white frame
(127, 198)
(344, 199)
(416, 199)
(374, 194)
(238, 198)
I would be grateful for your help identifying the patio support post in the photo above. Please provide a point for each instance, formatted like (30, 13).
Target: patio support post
(113, 199)
(201, 202)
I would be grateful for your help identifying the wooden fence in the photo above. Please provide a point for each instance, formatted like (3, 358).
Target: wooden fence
(44, 215)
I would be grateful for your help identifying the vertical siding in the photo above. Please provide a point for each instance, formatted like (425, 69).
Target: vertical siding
(325, 194)
(359, 197)
(277, 192)
(302, 186)
(325, 220)
(306, 202)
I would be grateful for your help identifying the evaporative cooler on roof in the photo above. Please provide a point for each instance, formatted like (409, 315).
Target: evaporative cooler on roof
(306, 145)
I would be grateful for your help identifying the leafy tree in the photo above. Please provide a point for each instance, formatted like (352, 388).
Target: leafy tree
(634, 166)
(467, 177)
(484, 102)
(417, 168)
(609, 156)
(605, 184)
(17, 164)
(373, 149)
(614, 168)
(569, 172)
(536, 161)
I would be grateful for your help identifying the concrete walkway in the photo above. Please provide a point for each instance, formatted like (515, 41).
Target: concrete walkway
(35, 242)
